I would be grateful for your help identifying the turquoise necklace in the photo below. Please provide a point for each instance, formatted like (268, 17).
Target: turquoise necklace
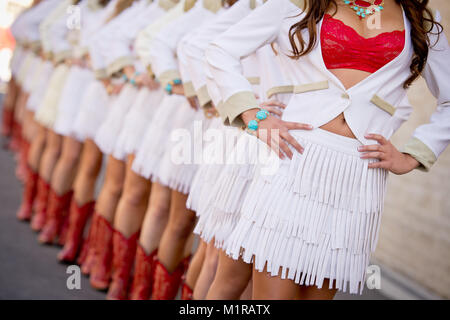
(365, 8)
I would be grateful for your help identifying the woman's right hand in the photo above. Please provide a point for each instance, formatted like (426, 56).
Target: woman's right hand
(275, 132)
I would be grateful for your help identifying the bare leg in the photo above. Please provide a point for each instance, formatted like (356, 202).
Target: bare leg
(37, 148)
(248, 292)
(267, 287)
(208, 272)
(196, 265)
(29, 130)
(133, 202)
(109, 196)
(156, 217)
(50, 155)
(66, 167)
(179, 229)
(231, 279)
(87, 174)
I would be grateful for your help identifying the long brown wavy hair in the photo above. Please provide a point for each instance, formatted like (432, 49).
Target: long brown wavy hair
(230, 2)
(417, 12)
(103, 3)
(121, 5)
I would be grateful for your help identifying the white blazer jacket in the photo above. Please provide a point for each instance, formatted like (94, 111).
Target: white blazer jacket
(378, 104)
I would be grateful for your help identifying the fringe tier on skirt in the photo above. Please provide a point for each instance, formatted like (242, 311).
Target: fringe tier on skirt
(41, 79)
(47, 111)
(32, 73)
(24, 67)
(94, 108)
(316, 218)
(156, 138)
(220, 207)
(108, 133)
(137, 121)
(180, 160)
(69, 105)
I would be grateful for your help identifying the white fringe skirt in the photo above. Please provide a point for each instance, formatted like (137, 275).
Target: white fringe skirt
(69, 105)
(156, 138)
(16, 60)
(316, 218)
(41, 79)
(32, 73)
(94, 107)
(184, 151)
(137, 121)
(25, 67)
(47, 111)
(219, 208)
(108, 133)
(208, 173)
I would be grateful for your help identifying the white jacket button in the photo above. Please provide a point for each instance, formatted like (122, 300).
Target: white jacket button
(345, 95)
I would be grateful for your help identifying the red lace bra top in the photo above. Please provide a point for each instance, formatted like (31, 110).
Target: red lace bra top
(343, 47)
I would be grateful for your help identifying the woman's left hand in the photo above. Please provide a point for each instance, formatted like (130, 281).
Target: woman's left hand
(390, 158)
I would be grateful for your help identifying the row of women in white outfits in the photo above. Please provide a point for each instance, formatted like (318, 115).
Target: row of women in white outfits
(314, 217)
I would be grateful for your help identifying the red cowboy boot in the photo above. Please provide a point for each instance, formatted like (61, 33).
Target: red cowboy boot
(57, 205)
(62, 234)
(166, 285)
(101, 268)
(40, 207)
(124, 252)
(29, 194)
(7, 123)
(65, 224)
(14, 143)
(78, 217)
(186, 292)
(22, 165)
(141, 287)
(87, 256)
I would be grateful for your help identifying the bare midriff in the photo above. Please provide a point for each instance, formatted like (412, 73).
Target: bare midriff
(349, 78)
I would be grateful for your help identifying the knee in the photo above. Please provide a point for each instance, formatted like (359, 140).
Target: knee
(40, 138)
(89, 170)
(231, 284)
(136, 196)
(52, 150)
(70, 157)
(113, 188)
(182, 227)
(211, 261)
(159, 212)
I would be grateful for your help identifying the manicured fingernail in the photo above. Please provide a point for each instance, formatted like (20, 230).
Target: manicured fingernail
(360, 148)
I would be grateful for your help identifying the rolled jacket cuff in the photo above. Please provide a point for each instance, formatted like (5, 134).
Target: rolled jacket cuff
(421, 152)
(119, 64)
(35, 46)
(150, 71)
(189, 90)
(60, 56)
(100, 73)
(236, 105)
(203, 96)
(168, 76)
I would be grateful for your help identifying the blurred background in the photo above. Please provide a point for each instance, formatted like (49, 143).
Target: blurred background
(414, 245)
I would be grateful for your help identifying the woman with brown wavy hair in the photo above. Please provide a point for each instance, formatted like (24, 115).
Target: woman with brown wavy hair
(309, 226)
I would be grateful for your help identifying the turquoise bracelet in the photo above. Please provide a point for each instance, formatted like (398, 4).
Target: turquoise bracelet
(253, 125)
(169, 86)
(133, 80)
